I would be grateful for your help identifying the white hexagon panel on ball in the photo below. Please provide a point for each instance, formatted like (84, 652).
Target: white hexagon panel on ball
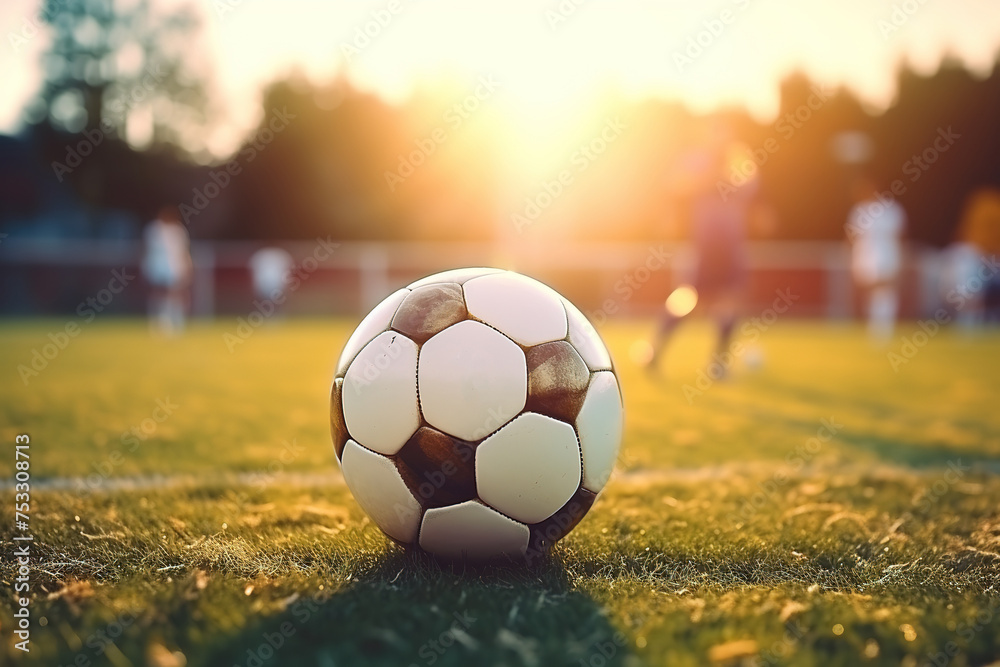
(470, 530)
(600, 427)
(472, 380)
(374, 323)
(381, 492)
(524, 309)
(380, 393)
(586, 340)
(529, 469)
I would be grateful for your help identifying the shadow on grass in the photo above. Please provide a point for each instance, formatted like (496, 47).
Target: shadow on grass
(410, 610)
(919, 455)
(907, 452)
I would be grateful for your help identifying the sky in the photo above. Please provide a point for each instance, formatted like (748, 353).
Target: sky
(552, 57)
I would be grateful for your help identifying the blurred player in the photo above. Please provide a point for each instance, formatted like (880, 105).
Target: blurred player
(875, 228)
(979, 236)
(960, 265)
(270, 268)
(719, 211)
(166, 264)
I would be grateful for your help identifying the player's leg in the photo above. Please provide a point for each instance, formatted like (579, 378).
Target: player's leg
(157, 308)
(883, 304)
(724, 308)
(664, 330)
(681, 302)
(989, 298)
(726, 325)
(177, 309)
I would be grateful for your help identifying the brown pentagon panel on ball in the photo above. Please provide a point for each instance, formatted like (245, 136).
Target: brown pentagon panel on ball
(428, 310)
(338, 427)
(546, 533)
(557, 380)
(439, 469)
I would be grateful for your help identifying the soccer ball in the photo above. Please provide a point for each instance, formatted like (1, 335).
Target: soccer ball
(476, 414)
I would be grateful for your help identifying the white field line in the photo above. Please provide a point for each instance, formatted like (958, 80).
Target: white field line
(630, 479)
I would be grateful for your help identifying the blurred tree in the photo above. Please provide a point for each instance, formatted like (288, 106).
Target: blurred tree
(126, 70)
(332, 168)
(123, 105)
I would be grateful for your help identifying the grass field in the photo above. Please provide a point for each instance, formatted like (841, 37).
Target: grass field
(821, 510)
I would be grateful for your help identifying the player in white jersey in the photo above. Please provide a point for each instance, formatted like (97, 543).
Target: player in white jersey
(166, 264)
(875, 228)
(270, 268)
